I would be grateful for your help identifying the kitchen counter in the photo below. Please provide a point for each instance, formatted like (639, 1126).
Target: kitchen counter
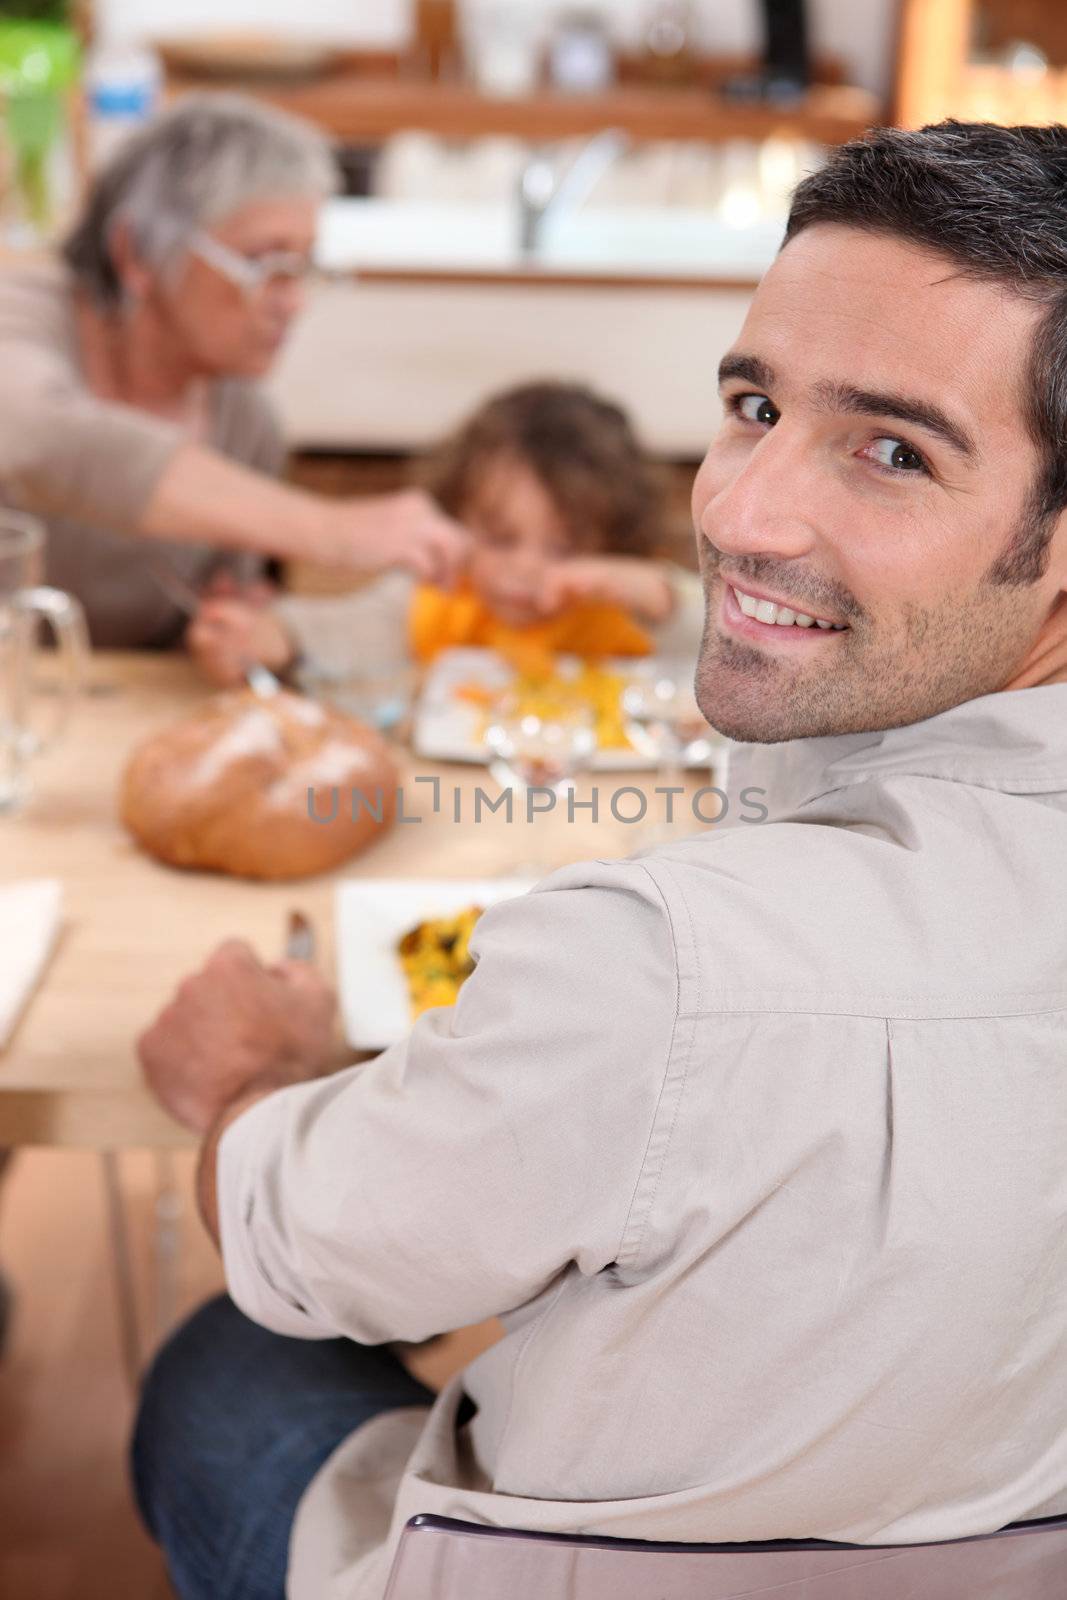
(426, 309)
(383, 239)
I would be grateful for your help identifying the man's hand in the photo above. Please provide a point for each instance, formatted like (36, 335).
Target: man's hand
(234, 1028)
(226, 636)
(635, 585)
(407, 529)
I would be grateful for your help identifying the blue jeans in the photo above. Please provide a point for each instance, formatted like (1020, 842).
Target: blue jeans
(233, 1425)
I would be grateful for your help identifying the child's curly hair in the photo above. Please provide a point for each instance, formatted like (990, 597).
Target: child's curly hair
(583, 450)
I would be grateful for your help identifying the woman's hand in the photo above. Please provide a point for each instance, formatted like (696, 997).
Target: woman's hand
(203, 498)
(396, 530)
(638, 586)
(226, 636)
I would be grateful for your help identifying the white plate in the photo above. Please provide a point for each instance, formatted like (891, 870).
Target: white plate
(449, 729)
(371, 915)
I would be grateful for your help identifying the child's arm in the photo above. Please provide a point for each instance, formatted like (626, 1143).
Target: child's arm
(639, 587)
(337, 635)
(227, 635)
(667, 598)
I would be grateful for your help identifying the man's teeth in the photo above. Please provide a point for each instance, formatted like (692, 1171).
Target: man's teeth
(767, 611)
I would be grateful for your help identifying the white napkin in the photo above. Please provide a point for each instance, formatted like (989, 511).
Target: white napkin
(29, 923)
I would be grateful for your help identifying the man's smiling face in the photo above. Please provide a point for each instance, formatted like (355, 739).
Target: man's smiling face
(872, 466)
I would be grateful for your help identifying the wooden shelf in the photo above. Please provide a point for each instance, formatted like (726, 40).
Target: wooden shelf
(547, 278)
(356, 109)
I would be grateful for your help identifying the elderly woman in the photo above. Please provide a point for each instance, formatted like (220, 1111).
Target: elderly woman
(130, 418)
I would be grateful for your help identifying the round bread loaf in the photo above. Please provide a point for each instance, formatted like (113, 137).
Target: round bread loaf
(261, 788)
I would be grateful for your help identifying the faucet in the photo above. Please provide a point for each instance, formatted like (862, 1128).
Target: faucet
(542, 191)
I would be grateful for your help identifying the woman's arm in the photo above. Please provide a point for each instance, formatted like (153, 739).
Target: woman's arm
(66, 453)
(202, 498)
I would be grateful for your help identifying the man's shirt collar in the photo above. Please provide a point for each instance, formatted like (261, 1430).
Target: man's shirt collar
(1014, 741)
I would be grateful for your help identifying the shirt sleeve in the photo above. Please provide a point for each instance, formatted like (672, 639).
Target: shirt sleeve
(458, 1174)
(65, 453)
(247, 428)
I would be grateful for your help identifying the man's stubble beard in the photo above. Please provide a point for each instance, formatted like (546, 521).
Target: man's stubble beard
(869, 678)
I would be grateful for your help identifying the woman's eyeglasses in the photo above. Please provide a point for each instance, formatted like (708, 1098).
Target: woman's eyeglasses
(248, 273)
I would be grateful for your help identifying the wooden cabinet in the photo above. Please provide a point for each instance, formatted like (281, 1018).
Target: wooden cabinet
(939, 76)
(361, 106)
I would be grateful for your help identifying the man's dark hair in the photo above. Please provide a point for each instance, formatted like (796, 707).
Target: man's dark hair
(993, 201)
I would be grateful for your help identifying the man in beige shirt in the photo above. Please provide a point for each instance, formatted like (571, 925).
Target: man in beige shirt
(755, 1143)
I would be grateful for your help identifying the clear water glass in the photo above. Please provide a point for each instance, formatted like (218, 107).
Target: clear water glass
(663, 720)
(540, 750)
(543, 750)
(24, 604)
(380, 695)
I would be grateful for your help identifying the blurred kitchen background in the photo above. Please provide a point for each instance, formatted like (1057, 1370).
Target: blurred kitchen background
(532, 187)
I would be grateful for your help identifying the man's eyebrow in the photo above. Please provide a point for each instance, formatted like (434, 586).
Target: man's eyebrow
(920, 413)
(735, 364)
(835, 396)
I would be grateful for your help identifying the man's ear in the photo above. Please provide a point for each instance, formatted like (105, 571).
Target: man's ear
(131, 272)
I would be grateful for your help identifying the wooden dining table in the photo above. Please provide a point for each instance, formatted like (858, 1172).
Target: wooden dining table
(133, 928)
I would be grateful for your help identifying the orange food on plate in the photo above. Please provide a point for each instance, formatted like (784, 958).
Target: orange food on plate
(436, 959)
(540, 693)
(442, 621)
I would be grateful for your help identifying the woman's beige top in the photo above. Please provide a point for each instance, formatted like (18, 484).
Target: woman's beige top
(88, 466)
(756, 1143)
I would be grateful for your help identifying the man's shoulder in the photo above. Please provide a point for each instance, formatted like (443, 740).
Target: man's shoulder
(585, 918)
(756, 849)
(759, 885)
(588, 896)
(878, 904)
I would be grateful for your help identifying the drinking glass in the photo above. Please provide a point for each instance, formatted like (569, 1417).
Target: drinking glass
(379, 693)
(24, 603)
(540, 750)
(503, 47)
(544, 748)
(663, 720)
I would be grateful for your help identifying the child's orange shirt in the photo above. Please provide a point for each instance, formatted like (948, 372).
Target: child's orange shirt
(439, 620)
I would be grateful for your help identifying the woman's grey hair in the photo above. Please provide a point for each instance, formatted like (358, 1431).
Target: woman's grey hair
(200, 161)
(992, 201)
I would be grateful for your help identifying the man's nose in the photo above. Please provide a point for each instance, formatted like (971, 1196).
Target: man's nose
(768, 505)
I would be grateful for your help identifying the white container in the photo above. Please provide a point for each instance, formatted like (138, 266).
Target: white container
(123, 79)
(504, 48)
(581, 60)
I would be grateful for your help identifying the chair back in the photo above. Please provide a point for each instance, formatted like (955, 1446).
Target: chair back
(441, 1559)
